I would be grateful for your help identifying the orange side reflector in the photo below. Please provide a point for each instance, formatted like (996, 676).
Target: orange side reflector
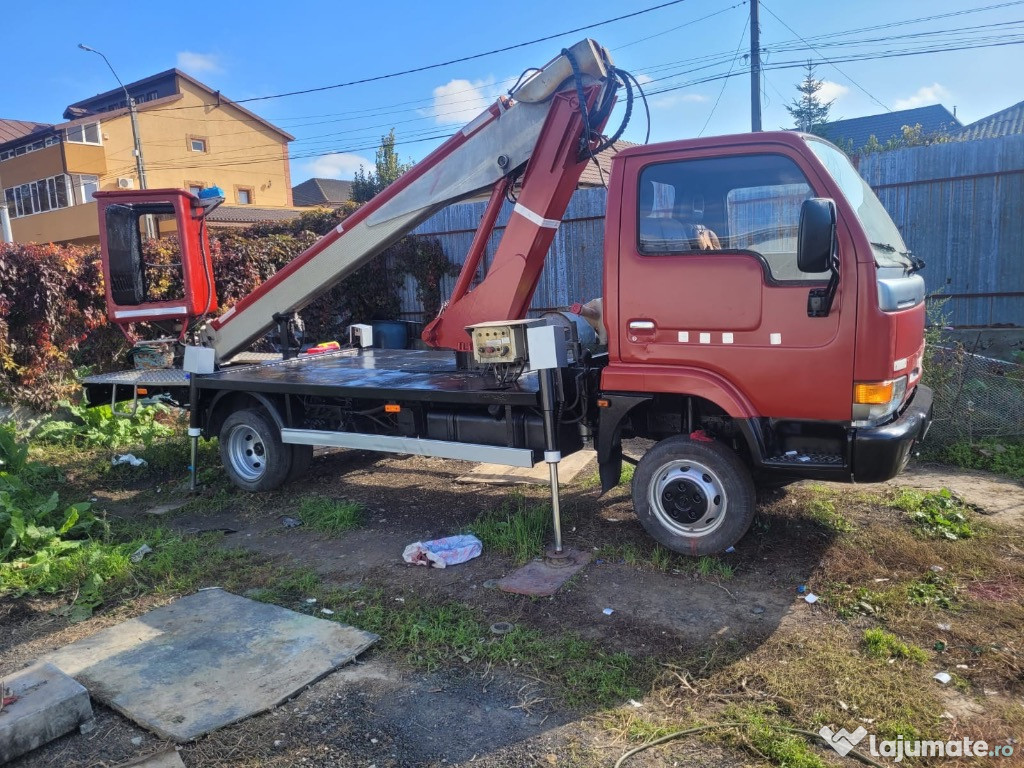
(142, 391)
(603, 403)
(395, 408)
(873, 392)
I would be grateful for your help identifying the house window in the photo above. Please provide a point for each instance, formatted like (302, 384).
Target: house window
(151, 96)
(196, 144)
(83, 185)
(243, 195)
(88, 133)
(38, 196)
(195, 187)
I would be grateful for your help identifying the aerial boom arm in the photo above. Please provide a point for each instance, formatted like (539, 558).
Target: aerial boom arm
(540, 128)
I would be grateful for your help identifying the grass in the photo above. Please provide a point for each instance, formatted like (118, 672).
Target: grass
(658, 558)
(935, 513)
(432, 635)
(764, 735)
(518, 528)
(331, 516)
(880, 644)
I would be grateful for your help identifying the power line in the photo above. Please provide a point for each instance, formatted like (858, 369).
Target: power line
(725, 80)
(861, 87)
(461, 59)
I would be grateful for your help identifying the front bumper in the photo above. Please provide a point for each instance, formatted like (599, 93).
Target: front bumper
(881, 453)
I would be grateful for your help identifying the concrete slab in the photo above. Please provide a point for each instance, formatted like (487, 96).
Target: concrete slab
(169, 758)
(49, 704)
(208, 660)
(498, 474)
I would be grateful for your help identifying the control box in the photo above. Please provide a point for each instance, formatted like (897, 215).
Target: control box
(501, 341)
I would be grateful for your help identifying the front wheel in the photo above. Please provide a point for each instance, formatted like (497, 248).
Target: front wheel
(252, 452)
(693, 497)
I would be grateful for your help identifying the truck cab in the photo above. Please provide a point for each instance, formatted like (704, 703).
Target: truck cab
(758, 294)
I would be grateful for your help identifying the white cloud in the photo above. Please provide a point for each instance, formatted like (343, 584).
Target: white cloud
(830, 91)
(670, 100)
(926, 94)
(459, 101)
(644, 79)
(339, 165)
(197, 63)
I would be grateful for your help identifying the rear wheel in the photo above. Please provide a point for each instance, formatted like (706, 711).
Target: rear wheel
(252, 452)
(693, 497)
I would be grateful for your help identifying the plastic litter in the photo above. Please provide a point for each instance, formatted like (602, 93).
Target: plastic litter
(801, 589)
(502, 627)
(310, 600)
(326, 611)
(811, 598)
(730, 550)
(943, 677)
(128, 458)
(608, 611)
(944, 627)
(936, 569)
(141, 552)
(440, 553)
(290, 522)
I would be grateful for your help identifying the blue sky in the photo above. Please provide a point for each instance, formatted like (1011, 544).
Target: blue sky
(260, 48)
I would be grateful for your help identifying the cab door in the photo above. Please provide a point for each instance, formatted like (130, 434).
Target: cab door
(708, 279)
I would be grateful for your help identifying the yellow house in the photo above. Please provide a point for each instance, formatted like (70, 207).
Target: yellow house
(192, 137)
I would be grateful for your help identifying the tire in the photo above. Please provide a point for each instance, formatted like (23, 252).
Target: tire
(693, 497)
(252, 453)
(302, 457)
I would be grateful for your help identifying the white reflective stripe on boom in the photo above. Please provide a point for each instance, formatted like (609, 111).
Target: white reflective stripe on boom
(146, 312)
(536, 218)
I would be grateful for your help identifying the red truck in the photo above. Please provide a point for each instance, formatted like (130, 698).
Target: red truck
(762, 320)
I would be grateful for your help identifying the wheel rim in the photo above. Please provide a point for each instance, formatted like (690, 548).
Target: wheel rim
(247, 453)
(688, 498)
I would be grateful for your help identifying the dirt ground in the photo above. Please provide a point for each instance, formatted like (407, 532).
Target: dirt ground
(381, 712)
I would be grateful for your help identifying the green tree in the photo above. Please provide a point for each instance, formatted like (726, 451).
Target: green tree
(809, 112)
(366, 184)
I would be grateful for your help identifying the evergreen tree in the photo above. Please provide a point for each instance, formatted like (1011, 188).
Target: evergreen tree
(388, 167)
(809, 112)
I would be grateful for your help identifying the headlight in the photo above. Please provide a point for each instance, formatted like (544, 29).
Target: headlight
(874, 401)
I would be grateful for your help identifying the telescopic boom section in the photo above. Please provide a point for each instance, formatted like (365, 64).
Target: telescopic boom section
(539, 128)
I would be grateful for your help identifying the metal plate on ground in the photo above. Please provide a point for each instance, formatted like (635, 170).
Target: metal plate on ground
(540, 578)
(207, 660)
(496, 474)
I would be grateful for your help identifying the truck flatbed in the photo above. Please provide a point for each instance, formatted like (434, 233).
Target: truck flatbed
(406, 374)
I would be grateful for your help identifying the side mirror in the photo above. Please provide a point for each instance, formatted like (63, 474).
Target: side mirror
(817, 235)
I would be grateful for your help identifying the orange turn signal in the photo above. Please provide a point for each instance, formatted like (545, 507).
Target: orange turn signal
(392, 408)
(141, 391)
(602, 403)
(873, 392)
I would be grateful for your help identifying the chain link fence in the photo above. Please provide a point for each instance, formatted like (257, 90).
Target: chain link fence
(975, 397)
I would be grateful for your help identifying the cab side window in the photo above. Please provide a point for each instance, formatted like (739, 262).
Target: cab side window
(746, 204)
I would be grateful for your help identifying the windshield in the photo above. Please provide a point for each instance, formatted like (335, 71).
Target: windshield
(886, 242)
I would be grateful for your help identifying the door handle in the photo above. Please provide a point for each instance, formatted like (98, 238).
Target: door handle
(641, 330)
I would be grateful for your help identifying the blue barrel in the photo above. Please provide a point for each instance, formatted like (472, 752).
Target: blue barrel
(390, 334)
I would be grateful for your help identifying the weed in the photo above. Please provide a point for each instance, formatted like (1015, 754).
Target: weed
(330, 515)
(1003, 456)
(933, 589)
(935, 513)
(518, 528)
(880, 644)
(99, 427)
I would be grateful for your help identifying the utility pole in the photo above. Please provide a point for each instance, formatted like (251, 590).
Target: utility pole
(140, 166)
(755, 68)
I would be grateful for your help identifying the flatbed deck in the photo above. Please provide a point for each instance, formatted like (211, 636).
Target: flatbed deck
(399, 374)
